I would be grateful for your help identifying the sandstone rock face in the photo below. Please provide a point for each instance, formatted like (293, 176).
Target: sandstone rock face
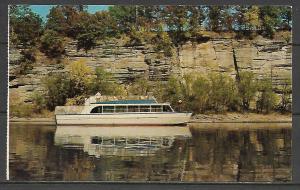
(264, 57)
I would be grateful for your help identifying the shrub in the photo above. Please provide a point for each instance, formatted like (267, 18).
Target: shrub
(140, 86)
(267, 98)
(285, 102)
(77, 100)
(222, 92)
(247, 88)
(17, 108)
(80, 77)
(173, 92)
(57, 90)
(39, 102)
(201, 88)
(104, 82)
(52, 44)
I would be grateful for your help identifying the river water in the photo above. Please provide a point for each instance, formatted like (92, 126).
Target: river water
(197, 153)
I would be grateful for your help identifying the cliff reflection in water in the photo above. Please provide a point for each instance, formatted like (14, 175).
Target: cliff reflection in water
(201, 153)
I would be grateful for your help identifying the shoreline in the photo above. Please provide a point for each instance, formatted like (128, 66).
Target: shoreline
(231, 117)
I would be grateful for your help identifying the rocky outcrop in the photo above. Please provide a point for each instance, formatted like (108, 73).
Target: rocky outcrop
(264, 57)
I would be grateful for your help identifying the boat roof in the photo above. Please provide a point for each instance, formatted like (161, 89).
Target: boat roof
(149, 101)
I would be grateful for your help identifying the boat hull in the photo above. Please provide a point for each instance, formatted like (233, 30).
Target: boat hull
(124, 119)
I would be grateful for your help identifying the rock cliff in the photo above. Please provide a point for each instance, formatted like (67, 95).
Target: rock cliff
(264, 57)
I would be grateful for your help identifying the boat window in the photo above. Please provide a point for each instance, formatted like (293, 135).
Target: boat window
(167, 108)
(97, 109)
(96, 140)
(145, 108)
(156, 108)
(108, 109)
(121, 108)
(133, 108)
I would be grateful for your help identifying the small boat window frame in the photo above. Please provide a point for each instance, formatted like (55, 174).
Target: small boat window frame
(156, 108)
(169, 109)
(145, 108)
(109, 109)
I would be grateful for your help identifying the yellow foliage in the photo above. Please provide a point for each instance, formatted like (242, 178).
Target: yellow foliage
(80, 72)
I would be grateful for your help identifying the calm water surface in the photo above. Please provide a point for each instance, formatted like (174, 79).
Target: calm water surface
(198, 153)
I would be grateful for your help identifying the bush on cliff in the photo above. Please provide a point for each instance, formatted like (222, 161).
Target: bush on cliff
(267, 99)
(247, 87)
(52, 44)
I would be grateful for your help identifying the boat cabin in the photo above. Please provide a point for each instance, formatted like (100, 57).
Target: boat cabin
(129, 106)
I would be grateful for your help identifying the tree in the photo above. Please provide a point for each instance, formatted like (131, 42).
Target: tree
(125, 16)
(222, 92)
(104, 83)
(286, 17)
(201, 88)
(25, 25)
(267, 98)
(252, 18)
(173, 92)
(240, 20)
(56, 20)
(270, 17)
(57, 88)
(215, 17)
(247, 88)
(140, 87)
(228, 18)
(80, 76)
(106, 25)
(163, 42)
(63, 19)
(52, 44)
(87, 31)
(286, 92)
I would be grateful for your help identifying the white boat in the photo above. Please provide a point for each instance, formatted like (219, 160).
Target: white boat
(121, 112)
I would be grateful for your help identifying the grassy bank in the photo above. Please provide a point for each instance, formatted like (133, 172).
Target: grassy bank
(236, 117)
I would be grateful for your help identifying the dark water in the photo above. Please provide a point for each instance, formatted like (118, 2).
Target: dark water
(202, 153)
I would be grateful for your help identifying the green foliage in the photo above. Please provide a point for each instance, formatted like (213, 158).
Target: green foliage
(140, 86)
(215, 92)
(105, 84)
(39, 102)
(162, 42)
(247, 87)
(201, 88)
(125, 16)
(270, 19)
(267, 99)
(56, 20)
(27, 60)
(17, 108)
(222, 92)
(286, 17)
(52, 44)
(215, 18)
(173, 92)
(25, 26)
(285, 98)
(252, 18)
(77, 100)
(80, 77)
(177, 19)
(57, 90)
(87, 31)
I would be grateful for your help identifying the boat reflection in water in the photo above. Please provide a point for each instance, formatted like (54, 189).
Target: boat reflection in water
(119, 141)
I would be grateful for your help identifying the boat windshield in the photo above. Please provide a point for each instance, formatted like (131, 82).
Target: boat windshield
(167, 108)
